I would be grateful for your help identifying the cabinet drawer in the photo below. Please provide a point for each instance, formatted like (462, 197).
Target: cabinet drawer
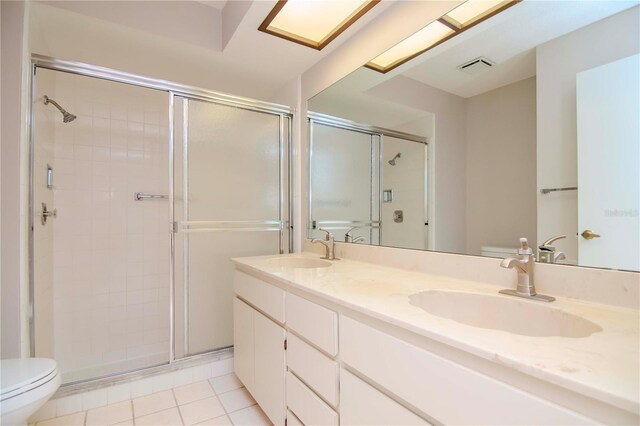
(362, 404)
(315, 323)
(266, 297)
(314, 368)
(436, 386)
(307, 406)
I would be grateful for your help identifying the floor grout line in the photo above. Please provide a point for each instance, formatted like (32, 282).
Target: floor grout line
(177, 406)
(226, 413)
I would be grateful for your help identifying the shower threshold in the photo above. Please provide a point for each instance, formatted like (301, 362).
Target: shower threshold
(143, 373)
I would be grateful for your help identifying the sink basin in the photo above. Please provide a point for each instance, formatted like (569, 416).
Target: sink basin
(298, 263)
(524, 317)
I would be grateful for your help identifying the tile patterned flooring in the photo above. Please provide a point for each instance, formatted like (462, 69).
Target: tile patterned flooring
(218, 401)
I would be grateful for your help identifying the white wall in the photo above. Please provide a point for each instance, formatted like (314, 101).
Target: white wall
(501, 166)
(67, 35)
(176, 20)
(558, 61)
(14, 150)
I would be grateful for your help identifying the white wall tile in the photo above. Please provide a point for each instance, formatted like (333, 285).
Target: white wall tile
(69, 404)
(221, 367)
(201, 372)
(182, 377)
(118, 393)
(94, 271)
(93, 399)
(163, 382)
(141, 388)
(47, 411)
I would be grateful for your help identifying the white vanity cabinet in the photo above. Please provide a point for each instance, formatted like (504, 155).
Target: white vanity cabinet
(335, 369)
(259, 340)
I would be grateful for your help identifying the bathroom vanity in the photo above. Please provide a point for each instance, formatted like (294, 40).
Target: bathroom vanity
(348, 342)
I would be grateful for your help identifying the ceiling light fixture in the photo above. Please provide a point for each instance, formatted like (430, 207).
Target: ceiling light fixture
(313, 23)
(463, 17)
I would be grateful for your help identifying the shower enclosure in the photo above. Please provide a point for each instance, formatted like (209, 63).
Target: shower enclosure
(140, 193)
(367, 184)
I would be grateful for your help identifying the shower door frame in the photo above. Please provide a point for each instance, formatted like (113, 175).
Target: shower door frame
(376, 162)
(172, 89)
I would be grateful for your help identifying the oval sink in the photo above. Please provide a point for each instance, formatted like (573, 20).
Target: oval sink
(527, 318)
(298, 263)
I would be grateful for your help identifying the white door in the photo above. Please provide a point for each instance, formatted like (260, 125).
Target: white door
(608, 114)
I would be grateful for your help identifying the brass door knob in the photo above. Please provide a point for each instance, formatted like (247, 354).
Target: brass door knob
(589, 235)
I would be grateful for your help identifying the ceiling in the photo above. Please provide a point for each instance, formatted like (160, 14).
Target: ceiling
(222, 35)
(509, 39)
(218, 4)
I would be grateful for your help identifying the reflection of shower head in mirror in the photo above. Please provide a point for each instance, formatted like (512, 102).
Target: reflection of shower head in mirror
(393, 160)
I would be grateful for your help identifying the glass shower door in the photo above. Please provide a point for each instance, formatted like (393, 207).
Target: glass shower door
(344, 179)
(230, 181)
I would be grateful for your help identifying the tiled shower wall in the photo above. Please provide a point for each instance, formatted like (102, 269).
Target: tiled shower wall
(111, 253)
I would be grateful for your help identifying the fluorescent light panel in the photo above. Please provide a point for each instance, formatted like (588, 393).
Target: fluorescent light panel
(314, 23)
(472, 10)
(423, 39)
(463, 17)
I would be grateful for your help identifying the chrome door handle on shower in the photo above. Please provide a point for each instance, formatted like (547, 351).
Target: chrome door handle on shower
(47, 213)
(139, 196)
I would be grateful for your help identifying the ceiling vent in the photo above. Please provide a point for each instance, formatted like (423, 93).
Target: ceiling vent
(476, 66)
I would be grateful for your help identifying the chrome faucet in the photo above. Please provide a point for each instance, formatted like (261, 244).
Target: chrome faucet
(349, 238)
(548, 254)
(524, 264)
(329, 243)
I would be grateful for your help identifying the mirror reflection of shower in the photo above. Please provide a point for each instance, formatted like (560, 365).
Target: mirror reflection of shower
(393, 160)
(66, 116)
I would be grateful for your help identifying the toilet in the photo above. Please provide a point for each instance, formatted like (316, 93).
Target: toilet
(27, 383)
(498, 251)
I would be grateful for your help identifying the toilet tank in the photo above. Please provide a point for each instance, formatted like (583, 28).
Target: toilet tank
(498, 251)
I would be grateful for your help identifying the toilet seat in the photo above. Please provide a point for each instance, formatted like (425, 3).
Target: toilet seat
(21, 375)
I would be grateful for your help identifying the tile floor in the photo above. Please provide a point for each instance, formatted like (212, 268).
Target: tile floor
(218, 401)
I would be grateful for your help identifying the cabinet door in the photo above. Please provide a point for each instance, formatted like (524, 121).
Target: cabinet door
(269, 368)
(244, 351)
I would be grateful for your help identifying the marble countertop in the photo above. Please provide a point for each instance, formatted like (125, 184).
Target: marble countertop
(604, 365)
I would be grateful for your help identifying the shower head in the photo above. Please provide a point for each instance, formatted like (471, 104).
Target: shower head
(66, 116)
(393, 160)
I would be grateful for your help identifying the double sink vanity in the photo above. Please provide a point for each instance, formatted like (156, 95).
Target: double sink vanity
(349, 342)
(429, 174)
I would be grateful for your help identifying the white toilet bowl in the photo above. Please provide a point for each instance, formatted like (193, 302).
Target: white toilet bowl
(27, 383)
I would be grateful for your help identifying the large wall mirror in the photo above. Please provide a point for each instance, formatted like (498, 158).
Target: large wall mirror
(524, 123)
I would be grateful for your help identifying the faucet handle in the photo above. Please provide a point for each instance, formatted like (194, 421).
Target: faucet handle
(547, 243)
(351, 229)
(328, 236)
(524, 247)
